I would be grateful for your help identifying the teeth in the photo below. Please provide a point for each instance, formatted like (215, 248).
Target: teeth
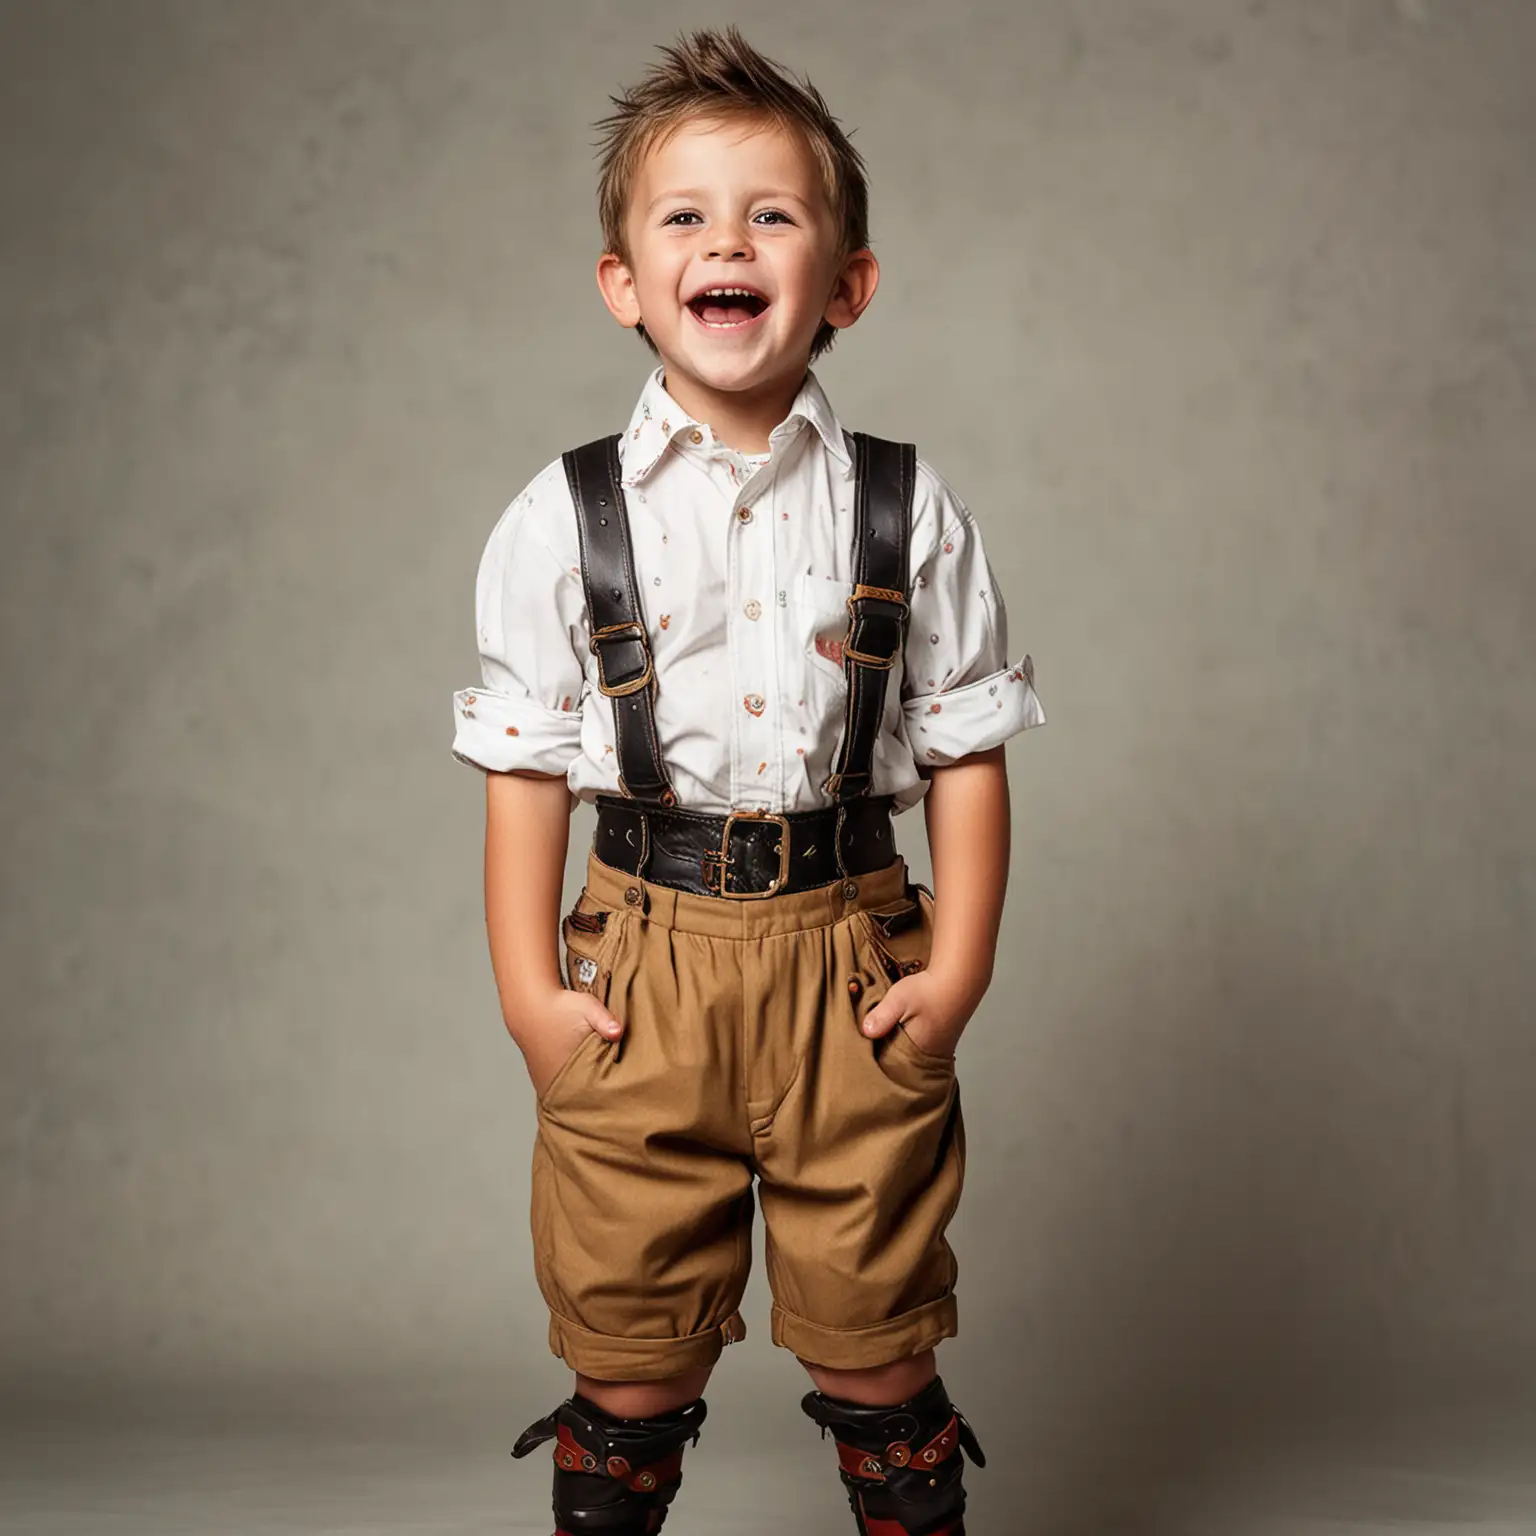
(722, 293)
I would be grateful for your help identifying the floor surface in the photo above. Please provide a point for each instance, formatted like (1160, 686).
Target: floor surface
(341, 1462)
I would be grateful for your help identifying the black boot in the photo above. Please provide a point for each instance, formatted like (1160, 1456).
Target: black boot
(613, 1476)
(901, 1465)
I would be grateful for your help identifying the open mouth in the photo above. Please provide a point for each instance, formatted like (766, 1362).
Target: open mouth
(728, 310)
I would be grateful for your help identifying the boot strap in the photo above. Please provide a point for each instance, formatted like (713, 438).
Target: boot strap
(571, 1456)
(899, 1453)
(902, 1423)
(641, 1452)
(536, 1434)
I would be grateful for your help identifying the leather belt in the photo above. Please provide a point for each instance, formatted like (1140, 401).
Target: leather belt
(746, 854)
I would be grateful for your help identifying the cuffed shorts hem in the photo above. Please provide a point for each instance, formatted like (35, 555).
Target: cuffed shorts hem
(853, 1349)
(607, 1357)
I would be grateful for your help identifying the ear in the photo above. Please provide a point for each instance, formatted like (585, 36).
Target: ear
(617, 286)
(855, 287)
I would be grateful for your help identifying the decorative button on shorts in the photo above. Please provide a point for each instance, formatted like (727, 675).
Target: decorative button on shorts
(742, 1058)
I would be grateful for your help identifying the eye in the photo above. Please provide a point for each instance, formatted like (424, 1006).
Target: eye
(688, 213)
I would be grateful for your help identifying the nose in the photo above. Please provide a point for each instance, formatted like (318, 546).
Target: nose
(731, 239)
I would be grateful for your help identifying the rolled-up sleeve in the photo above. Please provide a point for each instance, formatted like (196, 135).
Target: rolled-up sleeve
(529, 617)
(961, 694)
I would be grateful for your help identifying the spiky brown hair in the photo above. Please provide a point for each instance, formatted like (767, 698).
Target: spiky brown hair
(720, 77)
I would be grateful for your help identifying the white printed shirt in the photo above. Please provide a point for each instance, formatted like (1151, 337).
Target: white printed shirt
(744, 563)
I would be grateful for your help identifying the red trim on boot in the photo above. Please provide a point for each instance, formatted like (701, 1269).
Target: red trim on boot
(898, 1454)
(572, 1456)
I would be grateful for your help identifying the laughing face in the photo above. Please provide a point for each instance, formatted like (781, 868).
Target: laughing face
(734, 260)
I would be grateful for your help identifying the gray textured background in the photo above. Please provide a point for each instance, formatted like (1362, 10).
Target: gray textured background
(1220, 317)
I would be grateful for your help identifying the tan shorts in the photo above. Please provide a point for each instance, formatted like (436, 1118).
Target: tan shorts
(742, 1056)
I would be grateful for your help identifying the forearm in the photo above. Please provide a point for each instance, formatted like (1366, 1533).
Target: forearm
(527, 832)
(967, 814)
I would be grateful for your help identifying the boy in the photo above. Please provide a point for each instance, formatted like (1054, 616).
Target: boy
(680, 626)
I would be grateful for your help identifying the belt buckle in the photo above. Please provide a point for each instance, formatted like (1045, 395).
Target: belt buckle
(723, 857)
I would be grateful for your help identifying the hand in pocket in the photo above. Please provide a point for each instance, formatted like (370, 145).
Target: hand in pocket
(551, 1032)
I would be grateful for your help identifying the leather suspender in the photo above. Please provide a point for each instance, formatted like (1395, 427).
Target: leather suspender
(884, 476)
(619, 641)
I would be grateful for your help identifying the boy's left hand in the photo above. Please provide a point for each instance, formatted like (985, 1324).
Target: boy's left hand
(938, 1004)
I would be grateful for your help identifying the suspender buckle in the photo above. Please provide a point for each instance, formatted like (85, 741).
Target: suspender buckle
(865, 594)
(629, 631)
(722, 858)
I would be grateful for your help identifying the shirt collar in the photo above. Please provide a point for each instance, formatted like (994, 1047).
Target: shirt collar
(658, 418)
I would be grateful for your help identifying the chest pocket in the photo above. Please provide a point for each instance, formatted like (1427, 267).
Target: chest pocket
(821, 621)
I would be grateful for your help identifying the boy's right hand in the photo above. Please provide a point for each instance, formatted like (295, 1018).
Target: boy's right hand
(555, 1023)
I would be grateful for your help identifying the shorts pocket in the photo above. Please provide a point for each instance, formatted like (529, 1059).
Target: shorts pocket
(589, 930)
(553, 1086)
(901, 1035)
(899, 934)
(591, 934)
(893, 941)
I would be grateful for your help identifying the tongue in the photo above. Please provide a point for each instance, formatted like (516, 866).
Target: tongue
(731, 312)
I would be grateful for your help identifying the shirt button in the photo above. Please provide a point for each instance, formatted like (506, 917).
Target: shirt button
(754, 702)
(744, 515)
(752, 608)
(695, 436)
